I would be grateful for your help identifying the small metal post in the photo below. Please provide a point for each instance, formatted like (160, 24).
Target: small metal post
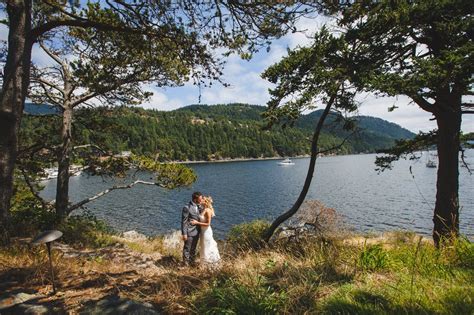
(48, 245)
(47, 237)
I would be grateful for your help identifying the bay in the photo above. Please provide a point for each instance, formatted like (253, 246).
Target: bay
(244, 191)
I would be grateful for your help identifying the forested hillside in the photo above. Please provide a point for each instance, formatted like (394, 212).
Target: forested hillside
(201, 132)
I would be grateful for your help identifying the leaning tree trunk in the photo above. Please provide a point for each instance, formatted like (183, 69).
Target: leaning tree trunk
(446, 212)
(64, 160)
(309, 176)
(16, 77)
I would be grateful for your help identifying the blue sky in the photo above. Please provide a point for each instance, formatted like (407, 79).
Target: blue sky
(246, 86)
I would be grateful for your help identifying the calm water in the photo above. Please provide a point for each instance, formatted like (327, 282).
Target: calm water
(244, 191)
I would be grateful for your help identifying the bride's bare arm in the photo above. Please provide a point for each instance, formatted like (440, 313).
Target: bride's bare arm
(207, 219)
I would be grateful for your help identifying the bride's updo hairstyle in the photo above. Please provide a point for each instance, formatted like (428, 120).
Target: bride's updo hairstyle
(208, 205)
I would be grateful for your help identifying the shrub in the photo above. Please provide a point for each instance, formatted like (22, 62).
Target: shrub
(373, 258)
(86, 230)
(247, 236)
(28, 216)
(326, 221)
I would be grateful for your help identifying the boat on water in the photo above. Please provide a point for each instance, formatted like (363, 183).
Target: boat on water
(52, 173)
(286, 162)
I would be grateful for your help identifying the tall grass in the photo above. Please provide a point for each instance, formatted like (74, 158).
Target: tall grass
(396, 274)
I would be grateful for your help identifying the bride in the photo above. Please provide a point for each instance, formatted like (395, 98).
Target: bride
(208, 251)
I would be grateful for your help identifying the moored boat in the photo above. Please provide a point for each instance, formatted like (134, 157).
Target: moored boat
(286, 162)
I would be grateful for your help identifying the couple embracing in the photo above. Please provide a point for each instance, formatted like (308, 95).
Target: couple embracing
(196, 228)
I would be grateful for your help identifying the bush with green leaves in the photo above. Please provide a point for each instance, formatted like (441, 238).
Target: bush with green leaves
(247, 236)
(85, 230)
(28, 216)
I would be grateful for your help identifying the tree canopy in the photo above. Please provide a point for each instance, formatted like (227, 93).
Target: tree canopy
(420, 49)
(241, 27)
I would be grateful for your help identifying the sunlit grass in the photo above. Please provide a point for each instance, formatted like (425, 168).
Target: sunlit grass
(398, 273)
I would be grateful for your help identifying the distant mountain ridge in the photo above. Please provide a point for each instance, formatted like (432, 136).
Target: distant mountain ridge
(370, 129)
(370, 132)
(40, 109)
(213, 132)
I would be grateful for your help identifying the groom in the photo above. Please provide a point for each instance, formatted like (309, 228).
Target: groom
(189, 232)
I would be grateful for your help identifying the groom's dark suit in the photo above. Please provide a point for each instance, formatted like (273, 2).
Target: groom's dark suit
(190, 212)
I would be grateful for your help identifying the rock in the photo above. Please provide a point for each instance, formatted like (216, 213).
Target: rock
(15, 304)
(15, 299)
(173, 240)
(116, 305)
(133, 236)
(32, 309)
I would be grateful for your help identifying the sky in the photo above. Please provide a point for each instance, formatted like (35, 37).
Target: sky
(247, 86)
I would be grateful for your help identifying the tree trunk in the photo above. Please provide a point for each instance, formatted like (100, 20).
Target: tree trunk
(309, 175)
(64, 160)
(446, 212)
(12, 99)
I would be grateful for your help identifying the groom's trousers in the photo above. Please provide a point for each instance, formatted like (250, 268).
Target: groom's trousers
(189, 249)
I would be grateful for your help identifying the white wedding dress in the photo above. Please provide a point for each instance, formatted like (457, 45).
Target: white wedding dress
(208, 251)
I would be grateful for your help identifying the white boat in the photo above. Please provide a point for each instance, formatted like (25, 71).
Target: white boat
(52, 173)
(286, 162)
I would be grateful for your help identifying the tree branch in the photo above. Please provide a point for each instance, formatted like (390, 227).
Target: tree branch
(48, 83)
(52, 98)
(40, 30)
(53, 55)
(424, 104)
(89, 146)
(339, 145)
(466, 165)
(32, 189)
(102, 193)
(309, 176)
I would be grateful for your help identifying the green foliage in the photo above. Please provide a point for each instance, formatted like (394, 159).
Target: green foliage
(406, 148)
(460, 253)
(419, 279)
(85, 230)
(28, 215)
(232, 297)
(200, 132)
(166, 175)
(248, 236)
(317, 73)
(372, 258)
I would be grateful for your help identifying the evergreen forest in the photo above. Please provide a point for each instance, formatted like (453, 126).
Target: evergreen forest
(202, 132)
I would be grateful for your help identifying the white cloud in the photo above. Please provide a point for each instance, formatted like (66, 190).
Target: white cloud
(307, 27)
(39, 57)
(277, 52)
(160, 101)
(407, 115)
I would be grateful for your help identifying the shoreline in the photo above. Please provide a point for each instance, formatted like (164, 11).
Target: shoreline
(239, 160)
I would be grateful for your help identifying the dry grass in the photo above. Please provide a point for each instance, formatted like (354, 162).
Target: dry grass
(311, 275)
